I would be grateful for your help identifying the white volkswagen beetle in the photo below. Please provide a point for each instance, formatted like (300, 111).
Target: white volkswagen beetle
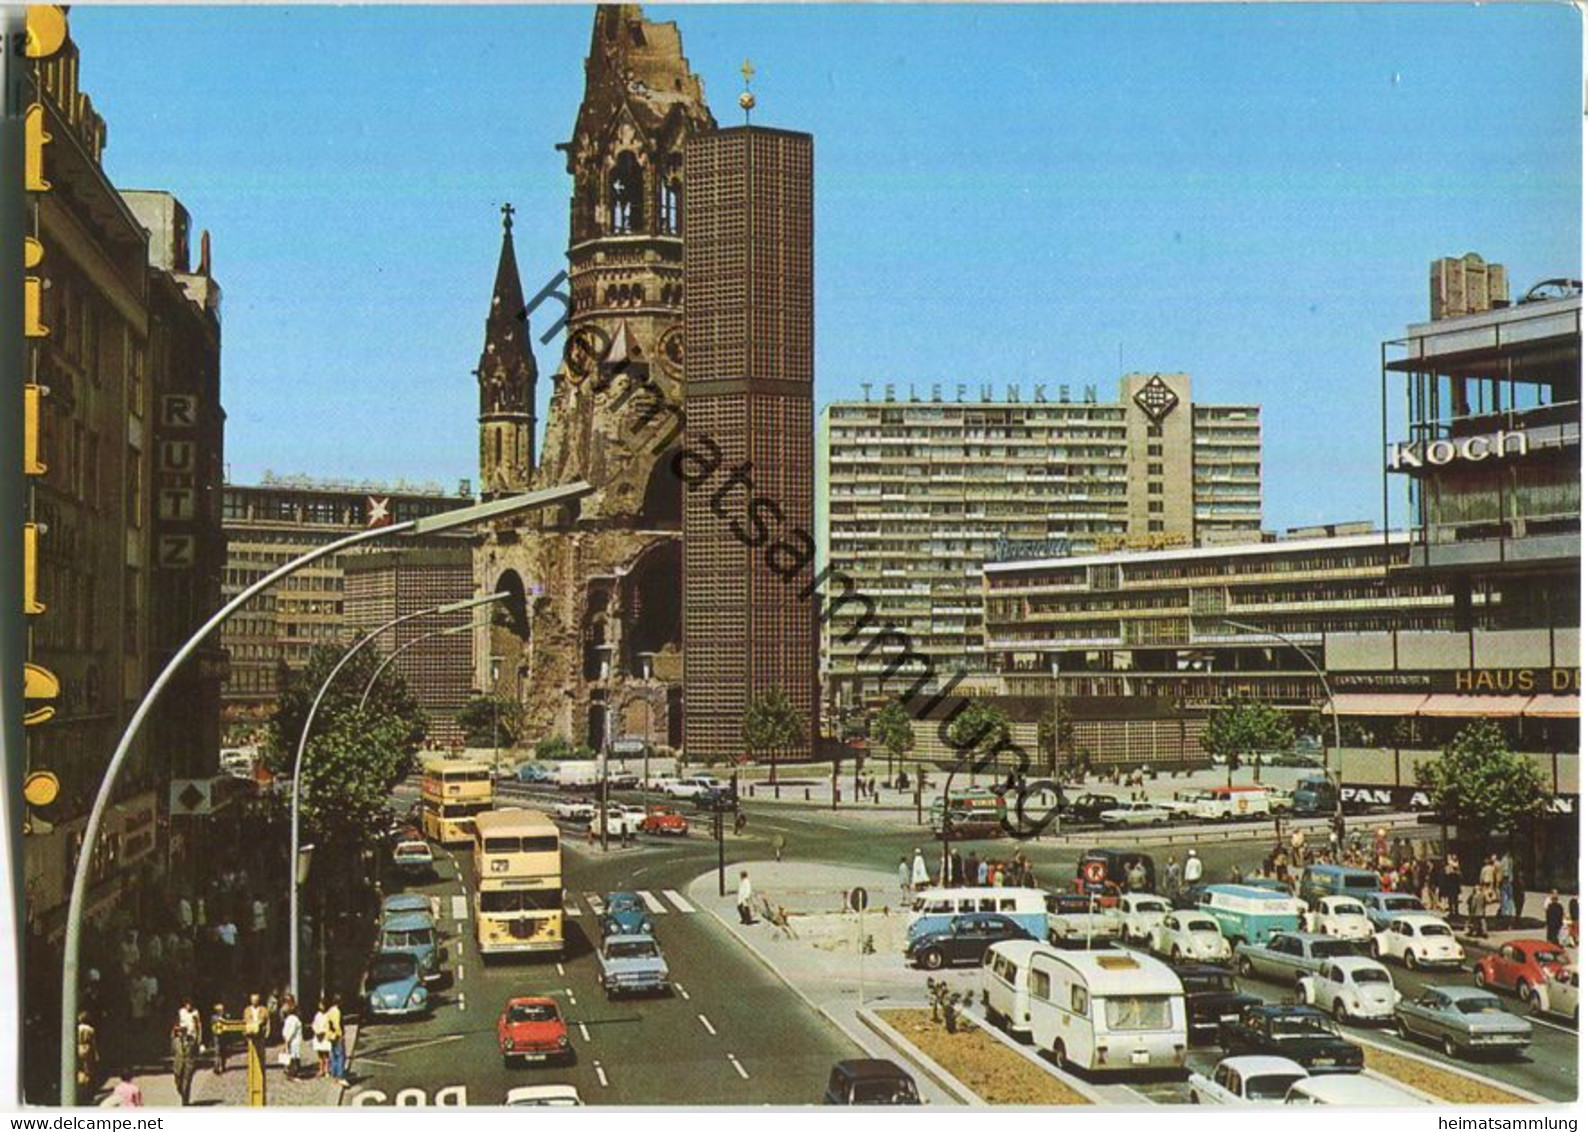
(1419, 939)
(1247, 1080)
(1557, 994)
(1352, 988)
(1138, 913)
(1340, 916)
(1190, 935)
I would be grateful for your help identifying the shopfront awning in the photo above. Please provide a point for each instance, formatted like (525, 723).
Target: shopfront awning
(1553, 707)
(1473, 707)
(1384, 703)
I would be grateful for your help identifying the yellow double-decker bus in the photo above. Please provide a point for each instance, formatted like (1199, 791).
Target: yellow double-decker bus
(518, 869)
(451, 793)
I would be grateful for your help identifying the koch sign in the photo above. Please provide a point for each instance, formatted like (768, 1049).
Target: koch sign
(1407, 454)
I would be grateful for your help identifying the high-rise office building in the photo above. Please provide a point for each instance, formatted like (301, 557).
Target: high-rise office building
(748, 628)
(927, 484)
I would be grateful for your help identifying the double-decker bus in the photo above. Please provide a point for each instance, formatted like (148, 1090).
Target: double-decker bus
(972, 812)
(518, 870)
(451, 793)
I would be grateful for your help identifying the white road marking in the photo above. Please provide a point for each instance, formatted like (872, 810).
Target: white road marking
(584, 1031)
(409, 1047)
(678, 901)
(706, 1022)
(572, 1001)
(459, 975)
(682, 993)
(1553, 1026)
(560, 971)
(596, 903)
(462, 1003)
(739, 1067)
(651, 902)
(601, 1074)
(460, 908)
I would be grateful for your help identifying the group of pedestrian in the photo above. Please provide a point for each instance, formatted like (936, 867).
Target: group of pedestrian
(967, 871)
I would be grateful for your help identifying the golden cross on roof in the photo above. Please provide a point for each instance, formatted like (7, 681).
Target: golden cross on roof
(747, 99)
(748, 72)
(507, 216)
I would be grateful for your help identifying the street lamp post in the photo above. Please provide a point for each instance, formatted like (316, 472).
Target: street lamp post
(385, 662)
(1328, 694)
(71, 948)
(303, 745)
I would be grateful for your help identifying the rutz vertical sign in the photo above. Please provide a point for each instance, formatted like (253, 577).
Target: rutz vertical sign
(177, 500)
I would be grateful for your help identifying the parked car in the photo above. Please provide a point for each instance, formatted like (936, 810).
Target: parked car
(543, 1096)
(717, 798)
(1211, 999)
(1352, 988)
(1343, 917)
(414, 858)
(413, 933)
(870, 1080)
(399, 903)
(624, 913)
(1418, 939)
(533, 773)
(1302, 1033)
(621, 819)
(1138, 913)
(1190, 935)
(1463, 1021)
(1356, 1089)
(632, 964)
(623, 780)
(574, 810)
(1520, 965)
(966, 940)
(664, 821)
(1556, 995)
(1382, 907)
(1085, 809)
(393, 987)
(1134, 814)
(686, 788)
(1252, 1079)
(1076, 916)
(531, 1028)
(1289, 956)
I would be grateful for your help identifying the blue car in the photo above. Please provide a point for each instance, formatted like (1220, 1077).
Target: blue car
(393, 987)
(624, 913)
(403, 902)
(632, 964)
(413, 933)
(533, 772)
(1382, 907)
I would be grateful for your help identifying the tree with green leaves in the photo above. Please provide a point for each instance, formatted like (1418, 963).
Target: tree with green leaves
(770, 725)
(551, 748)
(350, 768)
(1482, 787)
(891, 730)
(978, 729)
(389, 699)
(1245, 727)
(1056, 734)
(492, 721)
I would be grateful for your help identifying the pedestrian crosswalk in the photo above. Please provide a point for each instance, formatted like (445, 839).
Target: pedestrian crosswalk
(576, 903)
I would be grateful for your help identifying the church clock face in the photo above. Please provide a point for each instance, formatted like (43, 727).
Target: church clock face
(671, 351)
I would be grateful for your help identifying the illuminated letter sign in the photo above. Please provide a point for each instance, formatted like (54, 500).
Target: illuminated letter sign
(1405, 454)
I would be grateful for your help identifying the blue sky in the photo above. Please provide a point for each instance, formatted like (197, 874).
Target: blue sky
(1249, 194)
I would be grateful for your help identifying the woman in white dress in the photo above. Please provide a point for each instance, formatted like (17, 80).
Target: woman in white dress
(291, 1037)
(321, 1027)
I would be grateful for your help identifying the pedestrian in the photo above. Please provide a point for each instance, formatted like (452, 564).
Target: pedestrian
(956, 869)
(333, 1019)
(1193, 867)
(184, 1062)
(256, 1030)
(1171, 876)
(1136, 877)
(126, 1093)
(983, 872)
(87, 1052)
(919, 877)
(1476, 904)
(904, 882)
(1506, 877)
(1554, 918)
(972, 869)
(291, 1038)
(187, 1017)
(320, 1028)
(745, 895)
(218, 1032)
(739, 822)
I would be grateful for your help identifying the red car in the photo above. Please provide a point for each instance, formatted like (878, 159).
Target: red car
(664, 820)
(1520, 966)
(532, 1029)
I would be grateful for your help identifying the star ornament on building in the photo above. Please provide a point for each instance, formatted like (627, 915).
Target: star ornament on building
(1156, 399)
(379, 511)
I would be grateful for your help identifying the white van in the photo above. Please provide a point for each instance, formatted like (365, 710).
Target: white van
(1004, 988)
(1107, 1010)
(933, 909)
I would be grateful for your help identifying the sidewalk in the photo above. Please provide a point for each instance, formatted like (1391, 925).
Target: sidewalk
(230, 1089)
(821, 963)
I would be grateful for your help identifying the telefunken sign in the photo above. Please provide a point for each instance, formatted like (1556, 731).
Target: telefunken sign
(1470, 449)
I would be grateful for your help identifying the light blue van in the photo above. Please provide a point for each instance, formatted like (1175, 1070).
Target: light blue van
(1250, 915)
(413, 933)
(1337, 880)
(934, 908)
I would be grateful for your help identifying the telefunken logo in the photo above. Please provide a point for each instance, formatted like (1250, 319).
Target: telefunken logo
(1437, 453)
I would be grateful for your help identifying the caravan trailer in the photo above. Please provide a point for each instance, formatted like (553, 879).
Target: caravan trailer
(1107, 1010)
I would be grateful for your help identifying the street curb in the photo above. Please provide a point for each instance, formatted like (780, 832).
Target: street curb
(1428, 1098)
(724, 924)
(1451, 1067)
(906, 1049)
(1031, 1055)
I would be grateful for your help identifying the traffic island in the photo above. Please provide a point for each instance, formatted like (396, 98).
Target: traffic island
(1448, 1086)
(977, 1061)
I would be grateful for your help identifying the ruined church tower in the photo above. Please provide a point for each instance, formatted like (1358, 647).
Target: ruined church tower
(507, 382)
(598, 651)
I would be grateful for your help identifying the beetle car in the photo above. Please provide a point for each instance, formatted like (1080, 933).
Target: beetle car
(1462, 1021)
(664, 821)
(531, 1028)
(1557, 994)
(632, 964)
(1382, 907)
(1087, 807)
(1352, 988)
(1211, 999)
(1341, 916)
(1138, 913)
(1520, 965)
(869, 1081)
(966, 940)
(1302, 1033)
(1289, 956)
(624, 913)
(1253, 1079)
(1418, 939)
(1189, 935)
(543, 1096)
(574, 810)
(393, 987)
